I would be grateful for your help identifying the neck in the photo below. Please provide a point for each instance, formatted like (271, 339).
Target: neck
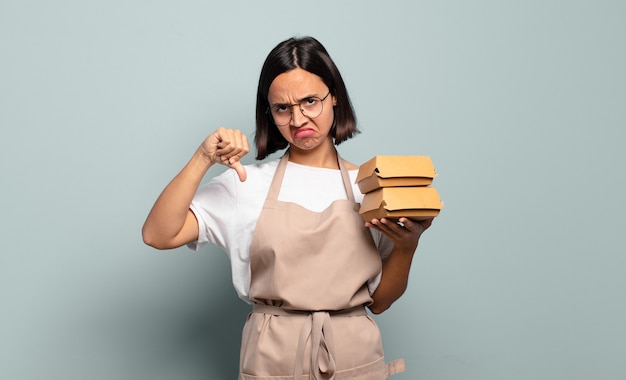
(324, 156)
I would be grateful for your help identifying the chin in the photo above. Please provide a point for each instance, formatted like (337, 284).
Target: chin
(307, 144)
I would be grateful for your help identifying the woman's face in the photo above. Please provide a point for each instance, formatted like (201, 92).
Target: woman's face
(294, 87)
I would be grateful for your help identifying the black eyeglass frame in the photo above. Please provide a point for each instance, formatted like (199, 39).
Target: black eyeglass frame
(299, 104)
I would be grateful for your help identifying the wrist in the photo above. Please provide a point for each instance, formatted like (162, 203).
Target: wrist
(404, 250)
(200, 162)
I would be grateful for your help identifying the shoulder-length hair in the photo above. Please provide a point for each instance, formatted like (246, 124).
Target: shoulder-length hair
(308, 54)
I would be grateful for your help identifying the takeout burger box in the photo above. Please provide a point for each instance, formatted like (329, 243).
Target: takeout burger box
(398, 186)
(416, 203)
(388, 171)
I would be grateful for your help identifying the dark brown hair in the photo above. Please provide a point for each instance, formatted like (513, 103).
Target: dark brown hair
(308, 54)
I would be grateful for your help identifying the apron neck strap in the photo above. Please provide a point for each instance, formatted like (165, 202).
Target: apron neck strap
(280, 173)
(346, 179)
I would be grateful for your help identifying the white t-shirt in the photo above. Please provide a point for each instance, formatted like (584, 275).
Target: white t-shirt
(227, 209)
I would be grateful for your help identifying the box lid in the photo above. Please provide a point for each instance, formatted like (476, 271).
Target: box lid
(386, 171)
(397, 166)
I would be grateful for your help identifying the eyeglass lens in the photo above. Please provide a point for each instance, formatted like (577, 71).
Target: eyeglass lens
(310, 107)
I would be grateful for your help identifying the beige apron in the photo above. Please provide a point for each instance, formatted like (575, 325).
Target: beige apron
(309, 287)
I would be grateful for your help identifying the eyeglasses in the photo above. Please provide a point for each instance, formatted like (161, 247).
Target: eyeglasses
(310, 107)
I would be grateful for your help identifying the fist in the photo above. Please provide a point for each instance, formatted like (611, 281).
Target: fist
(227, 147)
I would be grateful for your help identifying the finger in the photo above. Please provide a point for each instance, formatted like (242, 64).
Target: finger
(422, 224)
(241, 146)
(240, 169)
(233, 145)
(393, 225)
(388, 227)
(408, 224)
(427, 223)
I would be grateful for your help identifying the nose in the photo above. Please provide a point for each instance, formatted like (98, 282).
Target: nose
(297, 116)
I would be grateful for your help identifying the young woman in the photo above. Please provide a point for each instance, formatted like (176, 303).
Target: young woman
(300, 252)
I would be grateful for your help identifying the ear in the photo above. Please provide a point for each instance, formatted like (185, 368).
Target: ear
(334, 101)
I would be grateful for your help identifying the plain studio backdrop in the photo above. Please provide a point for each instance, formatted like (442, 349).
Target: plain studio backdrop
(520, 104)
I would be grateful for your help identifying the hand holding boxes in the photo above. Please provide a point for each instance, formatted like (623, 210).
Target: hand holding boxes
(398, 186)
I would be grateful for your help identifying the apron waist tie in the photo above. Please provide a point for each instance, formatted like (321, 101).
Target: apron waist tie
(318, 329)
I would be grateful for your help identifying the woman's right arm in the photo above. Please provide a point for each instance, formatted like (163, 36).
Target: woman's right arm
(171, 223)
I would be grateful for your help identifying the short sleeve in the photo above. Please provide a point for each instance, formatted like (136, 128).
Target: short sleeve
(214, 205)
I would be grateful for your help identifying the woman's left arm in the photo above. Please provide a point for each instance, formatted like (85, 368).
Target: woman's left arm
(396, 267)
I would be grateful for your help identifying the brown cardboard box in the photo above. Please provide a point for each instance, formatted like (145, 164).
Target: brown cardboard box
(416, 203)
(387, 171)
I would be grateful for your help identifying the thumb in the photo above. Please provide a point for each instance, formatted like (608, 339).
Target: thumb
(241, 171)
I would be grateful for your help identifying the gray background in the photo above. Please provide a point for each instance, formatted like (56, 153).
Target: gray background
(520, 104)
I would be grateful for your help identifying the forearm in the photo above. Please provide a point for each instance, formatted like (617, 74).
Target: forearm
(395, 273)
(170, 213)
(394, 279)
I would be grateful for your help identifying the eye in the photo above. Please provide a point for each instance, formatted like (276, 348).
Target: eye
(310, 102)
(280, 108)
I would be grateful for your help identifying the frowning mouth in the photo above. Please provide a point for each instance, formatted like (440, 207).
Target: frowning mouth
(303, 132)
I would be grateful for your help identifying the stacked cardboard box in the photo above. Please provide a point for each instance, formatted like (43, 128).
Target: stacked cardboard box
(398, 186)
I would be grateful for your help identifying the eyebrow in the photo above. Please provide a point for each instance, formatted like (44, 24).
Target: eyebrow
(298, 101)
